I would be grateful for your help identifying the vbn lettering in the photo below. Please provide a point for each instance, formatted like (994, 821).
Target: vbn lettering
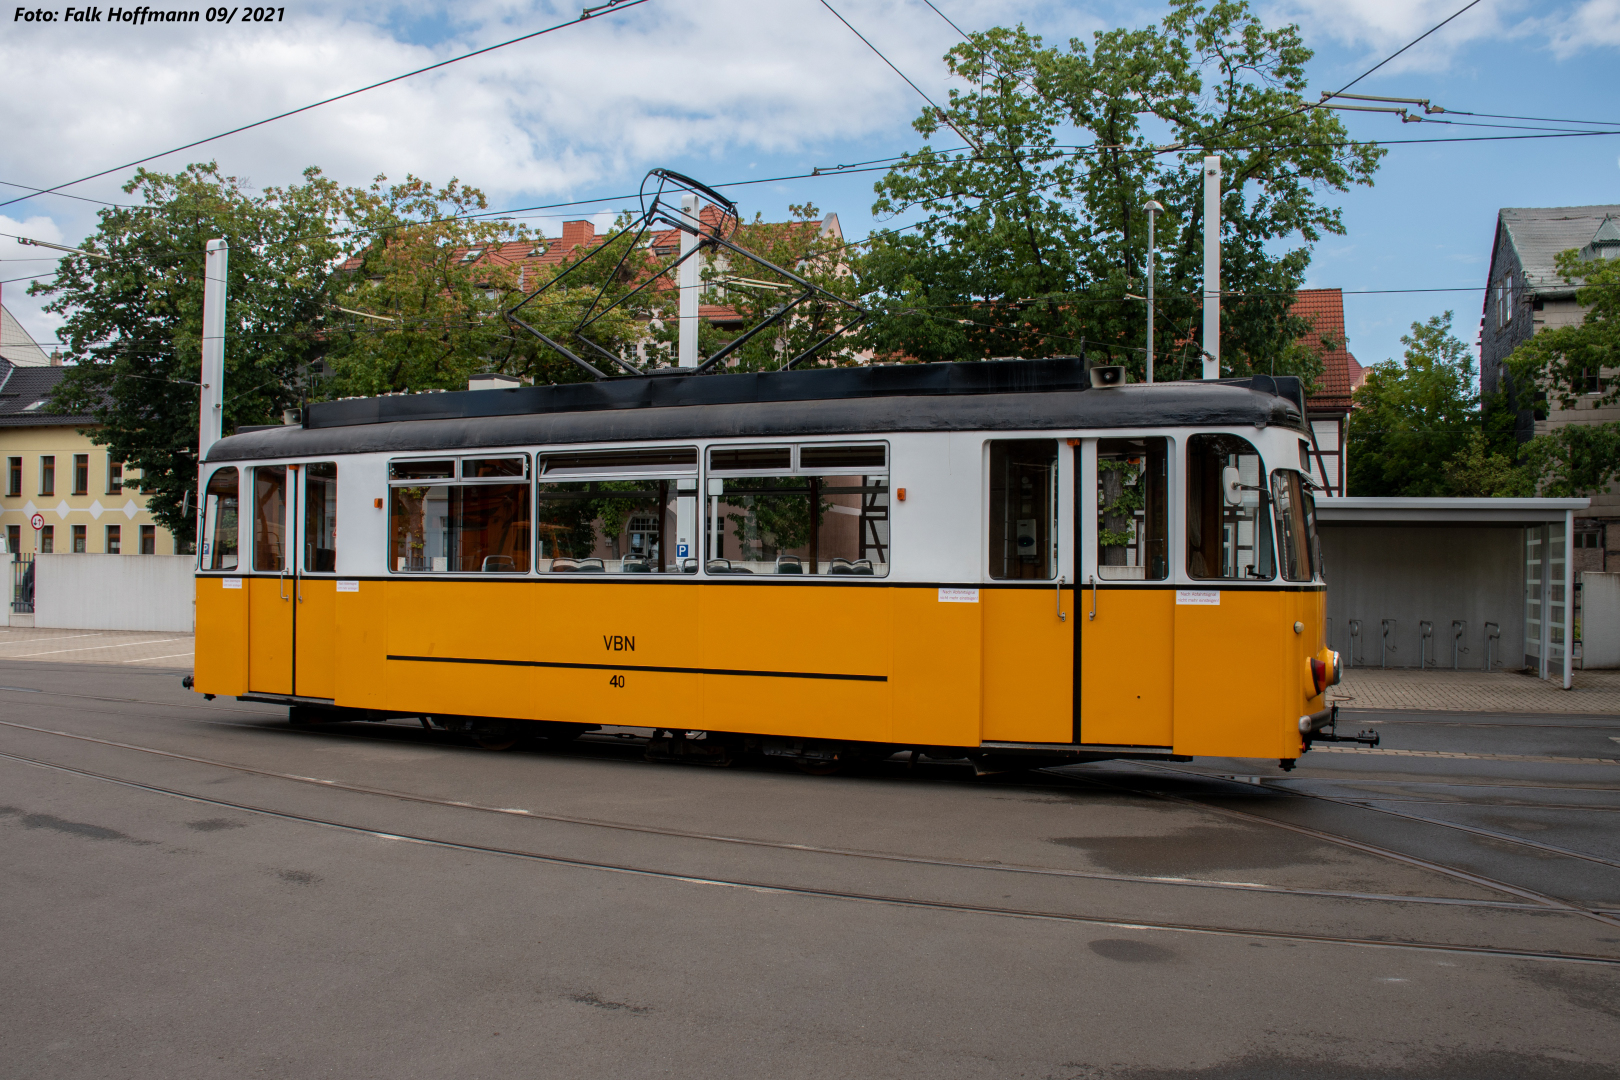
(618, 643)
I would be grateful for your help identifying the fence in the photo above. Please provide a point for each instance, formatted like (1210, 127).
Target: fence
(22, 583)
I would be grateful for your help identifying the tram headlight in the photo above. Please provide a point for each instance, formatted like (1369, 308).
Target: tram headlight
(1325, 671)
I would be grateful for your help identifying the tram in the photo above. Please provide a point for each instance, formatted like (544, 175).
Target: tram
(1020, 558)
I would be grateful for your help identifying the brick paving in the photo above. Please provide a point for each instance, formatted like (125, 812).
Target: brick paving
(136, 648)
(1594, 692)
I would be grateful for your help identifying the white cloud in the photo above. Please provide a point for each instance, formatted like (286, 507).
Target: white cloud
(22, 261)
(1594, 24)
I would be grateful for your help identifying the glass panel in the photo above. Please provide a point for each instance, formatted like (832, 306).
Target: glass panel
(822, 458)
(1557, 619)
(269, 517)
(148, 539)
(115, 536)
(1133, 506)
(320, 517)
(676, 459)
(752, 458)
(478, 468)
(1023, 509)
(419, 528)
(799, 525)
(421, 470)
(492, 528)
(79, 540)
(1227, 540)
(220, 521)
(616, 526)
(1534, 577)
(1295, 512)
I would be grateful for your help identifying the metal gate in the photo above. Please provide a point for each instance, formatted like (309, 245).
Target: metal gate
(22, 583)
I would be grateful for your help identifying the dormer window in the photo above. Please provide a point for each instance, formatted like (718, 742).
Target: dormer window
(537, 251)
(1605, 243)
(472, 255)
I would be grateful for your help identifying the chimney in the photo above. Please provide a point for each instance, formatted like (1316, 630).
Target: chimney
(56, 358)
(577, 234)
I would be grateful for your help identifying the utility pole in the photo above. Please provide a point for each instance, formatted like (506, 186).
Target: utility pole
(689, 281)
(1154, 208)
(1212, 268)
(211, 415)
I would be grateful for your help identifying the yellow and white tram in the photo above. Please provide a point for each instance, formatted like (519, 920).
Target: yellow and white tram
(991, 558)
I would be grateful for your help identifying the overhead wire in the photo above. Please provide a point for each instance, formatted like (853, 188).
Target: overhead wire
(607, 8)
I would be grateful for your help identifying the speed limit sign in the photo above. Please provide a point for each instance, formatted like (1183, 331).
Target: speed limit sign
(37, 521)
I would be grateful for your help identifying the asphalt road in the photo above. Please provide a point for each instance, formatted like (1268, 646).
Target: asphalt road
(197, 889)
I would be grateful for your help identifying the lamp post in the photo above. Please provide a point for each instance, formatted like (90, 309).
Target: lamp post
(1154, 209)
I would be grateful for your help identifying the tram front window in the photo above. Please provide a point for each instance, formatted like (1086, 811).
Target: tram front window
(439, 523)
(812, 509)
(1228, 521)
(1296, 526)
(1132, 510)
(1023, 509)
(220, 521)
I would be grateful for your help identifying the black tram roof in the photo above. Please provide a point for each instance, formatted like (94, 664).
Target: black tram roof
(982, 396)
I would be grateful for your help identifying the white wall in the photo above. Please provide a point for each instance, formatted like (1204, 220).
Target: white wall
(1600, 620)
(115, 592)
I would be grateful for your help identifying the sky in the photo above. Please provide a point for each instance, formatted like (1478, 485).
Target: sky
(739, 91)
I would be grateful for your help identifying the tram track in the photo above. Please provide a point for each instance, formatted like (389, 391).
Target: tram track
(837, 894)
(813, 849)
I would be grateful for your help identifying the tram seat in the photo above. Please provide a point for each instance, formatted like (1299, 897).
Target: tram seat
(634, 565)
(591, 566)
(499, 564)
(846, 566)
(564, 566)
(725, 566)
(789, 564)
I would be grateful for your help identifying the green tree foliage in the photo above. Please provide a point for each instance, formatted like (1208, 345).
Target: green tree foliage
(1034, 238)
(133, 320)
(1416, 418)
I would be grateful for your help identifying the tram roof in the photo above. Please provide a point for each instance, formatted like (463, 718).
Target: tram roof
(1004, 395)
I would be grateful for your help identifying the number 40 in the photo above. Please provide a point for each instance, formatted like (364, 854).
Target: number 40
(617, 681)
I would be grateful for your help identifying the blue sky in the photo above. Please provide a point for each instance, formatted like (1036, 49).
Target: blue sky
(729, 90)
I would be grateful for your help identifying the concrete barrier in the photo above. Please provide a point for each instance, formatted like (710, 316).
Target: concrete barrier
(115, 592)
(1600, 620)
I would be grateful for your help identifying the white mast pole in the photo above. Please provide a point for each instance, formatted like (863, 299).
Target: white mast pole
(689, 281)
(1212, 268)
(211, 407)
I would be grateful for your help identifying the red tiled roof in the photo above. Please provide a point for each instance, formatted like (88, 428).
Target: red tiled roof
(1341, 374)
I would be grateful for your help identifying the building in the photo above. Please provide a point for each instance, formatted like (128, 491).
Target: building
(17, 345)
(53, 469)
(1524, 295)
(1328, 409)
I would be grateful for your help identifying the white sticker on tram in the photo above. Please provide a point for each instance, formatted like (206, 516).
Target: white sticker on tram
(959, 596)
(1205, 597)
(348, 586)
(231, 583)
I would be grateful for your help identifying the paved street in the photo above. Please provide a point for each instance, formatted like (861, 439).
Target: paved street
(116, 647)
(197, 889)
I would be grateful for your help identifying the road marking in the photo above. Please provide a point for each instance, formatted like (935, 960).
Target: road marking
(93, 648)
(149, 659)
(41, 641)
(1464, 757)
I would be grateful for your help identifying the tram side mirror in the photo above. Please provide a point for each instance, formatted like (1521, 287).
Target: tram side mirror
(1232, 483)
(1107, 375)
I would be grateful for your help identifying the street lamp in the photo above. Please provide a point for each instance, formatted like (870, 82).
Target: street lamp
(1154, 209)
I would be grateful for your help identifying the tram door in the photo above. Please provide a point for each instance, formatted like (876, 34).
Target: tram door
(1127, 630)
(292, 607)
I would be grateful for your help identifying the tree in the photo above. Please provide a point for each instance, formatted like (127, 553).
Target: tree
(1032, 246)
(1413, 419)
(133, 319)
(1568, 364)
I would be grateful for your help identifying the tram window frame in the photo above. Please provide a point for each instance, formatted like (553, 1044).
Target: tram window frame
(320, 519)
(222, 497)
(1005, 534)
(269, 535)
(871, 555)
(449, 471)
(1205, 471)
(1298, 542)
(1138, 513)
(572, 476)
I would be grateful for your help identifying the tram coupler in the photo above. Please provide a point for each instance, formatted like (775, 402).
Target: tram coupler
(1323, 727)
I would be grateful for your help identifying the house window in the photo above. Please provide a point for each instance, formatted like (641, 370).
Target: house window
(13, 538)
(81, 474)
(115, 477)
(78, 540)
(14, 476)
(47, 475)
(114, 540)
(1507, 299)
(148, 539)
(47, 539)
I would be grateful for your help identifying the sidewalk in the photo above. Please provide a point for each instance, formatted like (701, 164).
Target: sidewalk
(96, 647)
(1594, 692)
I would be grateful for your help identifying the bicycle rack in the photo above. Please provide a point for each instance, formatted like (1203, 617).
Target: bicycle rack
(1355, 640)
(1459, 627)
(1425, 635)
(1493, 634)
(1389, 632)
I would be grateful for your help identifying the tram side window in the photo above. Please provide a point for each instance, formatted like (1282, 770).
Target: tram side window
(270, 517)
(220, 521)
(617, 512)
(1228, 521)
(799, 510)
(1132, 509)
(1296, 526)
(468, 515)
(320, 517)
(1023, 509)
